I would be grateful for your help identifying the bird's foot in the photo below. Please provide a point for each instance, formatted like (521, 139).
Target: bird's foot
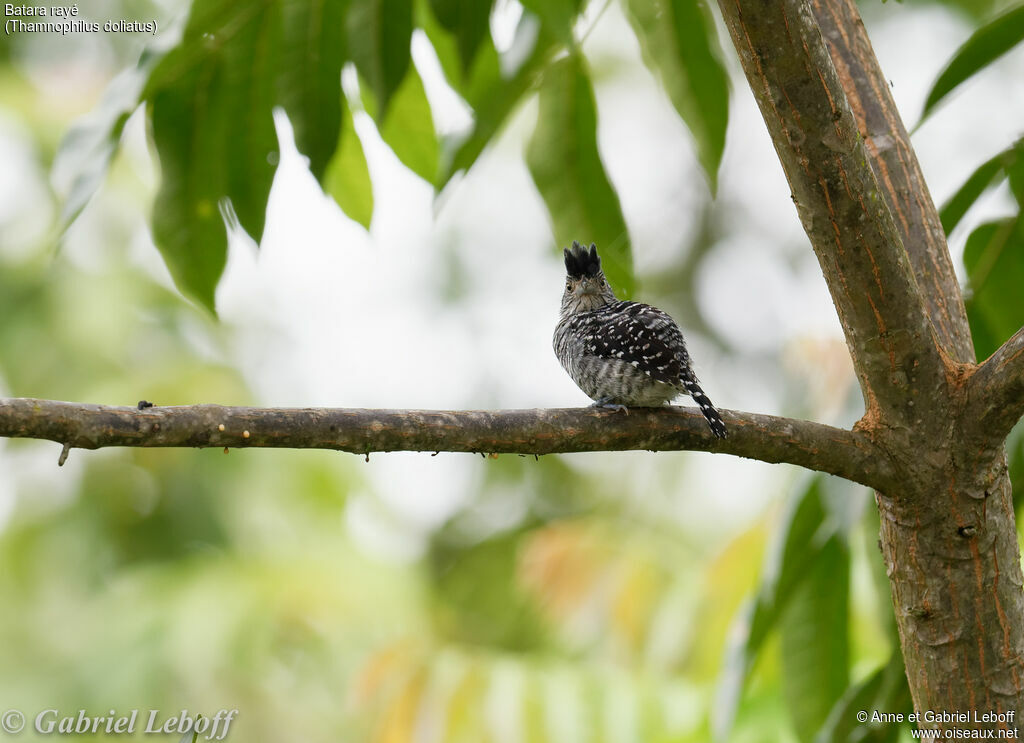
(607, 404)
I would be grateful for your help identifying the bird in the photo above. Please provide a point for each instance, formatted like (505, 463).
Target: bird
(622, 354)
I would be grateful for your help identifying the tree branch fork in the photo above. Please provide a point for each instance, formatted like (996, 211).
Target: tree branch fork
(773, 439)
(995, 390)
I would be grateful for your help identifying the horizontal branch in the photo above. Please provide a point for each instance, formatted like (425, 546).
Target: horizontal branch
(767, 438)
(997, 389)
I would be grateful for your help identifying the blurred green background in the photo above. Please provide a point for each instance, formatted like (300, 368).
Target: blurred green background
(617, 597)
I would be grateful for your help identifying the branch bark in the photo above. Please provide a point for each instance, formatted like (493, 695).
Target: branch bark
(898, 172)
(996, 389)
(766, 438)
(840, 205)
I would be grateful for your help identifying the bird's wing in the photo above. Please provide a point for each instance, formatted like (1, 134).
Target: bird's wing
(638, 334)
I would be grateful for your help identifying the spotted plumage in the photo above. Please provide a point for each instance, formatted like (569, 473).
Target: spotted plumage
(622, 353)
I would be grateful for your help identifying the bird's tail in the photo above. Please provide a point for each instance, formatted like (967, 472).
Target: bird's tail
(706, 408)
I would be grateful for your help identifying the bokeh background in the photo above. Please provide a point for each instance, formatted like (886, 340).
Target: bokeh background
(448, 598)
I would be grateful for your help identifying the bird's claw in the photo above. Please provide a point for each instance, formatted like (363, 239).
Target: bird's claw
(609, 405)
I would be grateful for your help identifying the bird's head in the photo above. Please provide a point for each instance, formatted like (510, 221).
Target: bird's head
(586, 287)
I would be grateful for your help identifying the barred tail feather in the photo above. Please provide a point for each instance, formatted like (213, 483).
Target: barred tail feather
(706, 408)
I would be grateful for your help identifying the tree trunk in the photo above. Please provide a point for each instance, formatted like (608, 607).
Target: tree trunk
(948, 532)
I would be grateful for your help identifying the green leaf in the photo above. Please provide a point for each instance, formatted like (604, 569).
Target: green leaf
(994, 258)
(446, 43)
(1009, 162)
(988, 174)
(680, 45)
(1014, 164)
(84, 155)
(885, 690)
(815, 642)
(988, 43)
(493, 96)
(309, 76)
(563, 159)
(805, 533)
(347, 178)
(409, 126)
(379, 35)
(211, 102)
(557, 16)
(468, 21)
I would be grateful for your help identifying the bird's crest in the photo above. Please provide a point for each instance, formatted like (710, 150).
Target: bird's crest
(580, 261)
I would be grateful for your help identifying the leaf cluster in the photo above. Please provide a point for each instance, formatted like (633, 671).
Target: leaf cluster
(210, 101)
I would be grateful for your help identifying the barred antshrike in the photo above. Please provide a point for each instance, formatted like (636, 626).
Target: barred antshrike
(622, 353)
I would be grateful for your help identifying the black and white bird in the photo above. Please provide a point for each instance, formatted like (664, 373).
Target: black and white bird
(622, 353)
